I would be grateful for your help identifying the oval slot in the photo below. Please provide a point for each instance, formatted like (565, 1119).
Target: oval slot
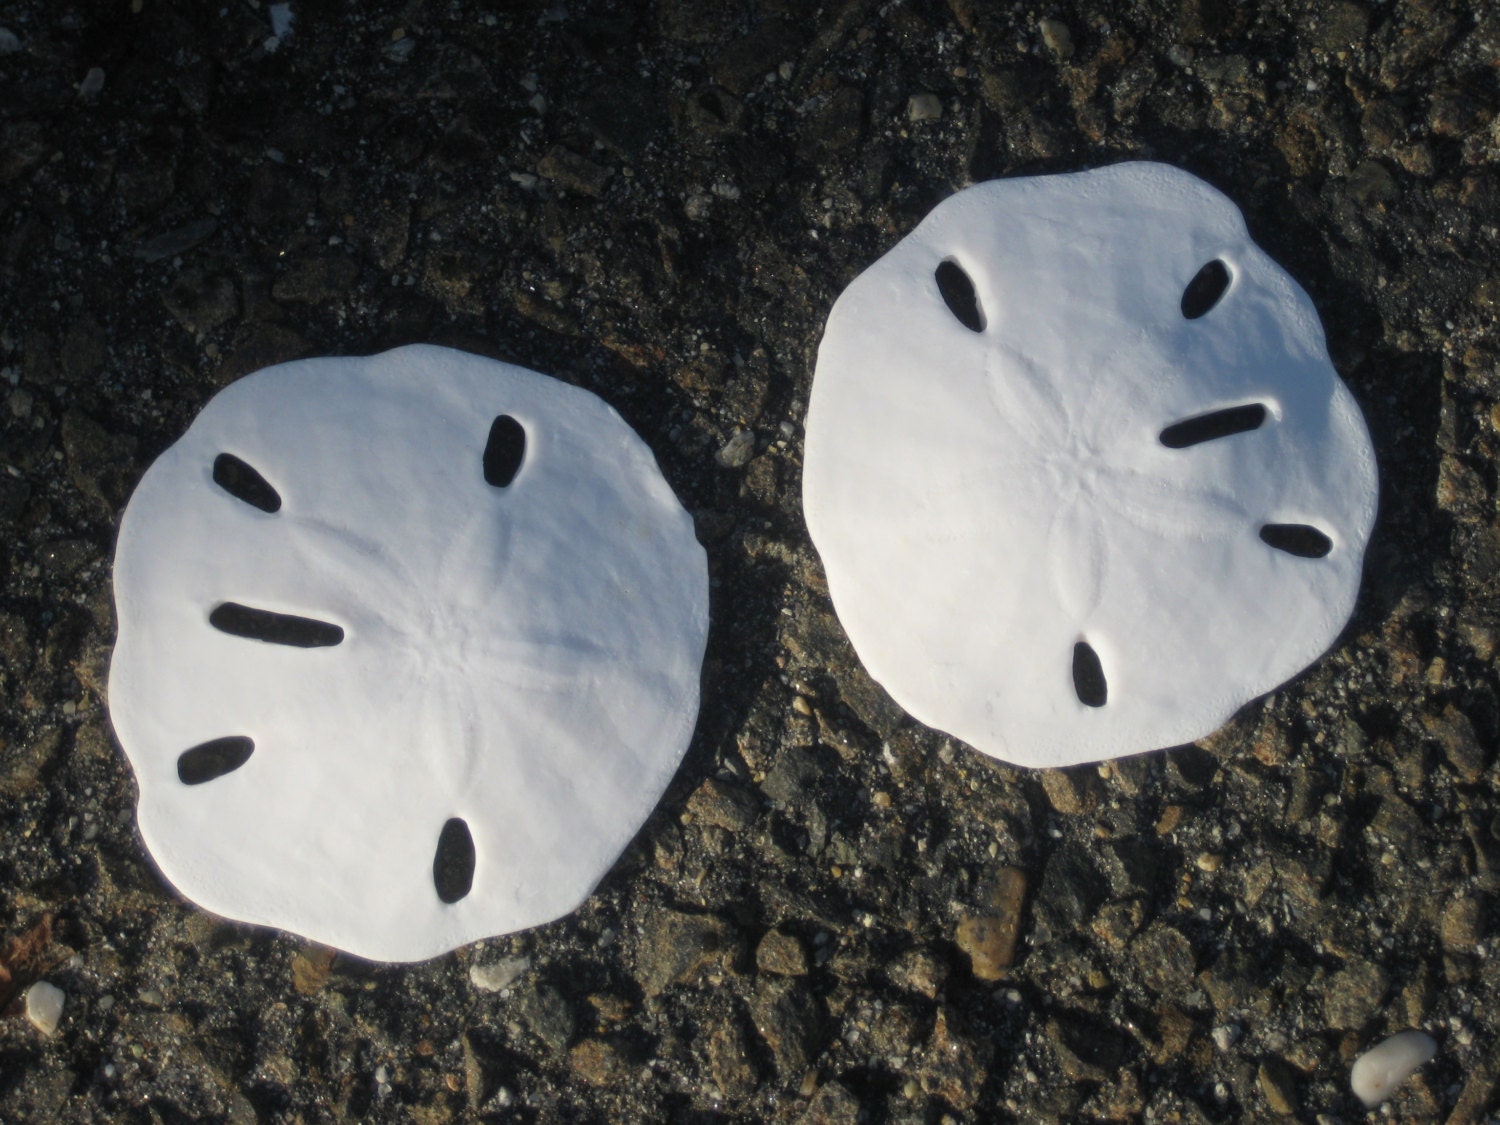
(1205, 290)
(957, 288)
(1088, 676)
(1297, 539)
(240, 480)
(504, 451)
(274, 628)
(1214, 425)
(453, 862)
(213, 759)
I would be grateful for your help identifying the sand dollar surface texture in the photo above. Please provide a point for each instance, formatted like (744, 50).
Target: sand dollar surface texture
(1080, 471)
(409, 648)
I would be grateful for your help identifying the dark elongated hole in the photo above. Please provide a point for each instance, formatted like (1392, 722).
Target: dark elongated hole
(1204, 291)
(504, 451)
(242, 482)
(274, 628)
(214, 758)
(1088, 676)
(957, 288)
(453, 862)
(1218, 424)
(1297, 539)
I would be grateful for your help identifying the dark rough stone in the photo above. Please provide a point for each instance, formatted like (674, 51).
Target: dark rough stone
(1353, 995)
(1134, 866)
(833, 1104)
(178, 240)
(723, 805)
(748, 59)
(544, 1012)
(781, 953)
(315, 278)
(731, 1061)
(794, 773)
(954, 1065)
(1453, 731)
(98, 461)
(623, 114)
(1086, 1050)
(790, 1021)
(675, 948)
(834, 126)
(85, 351)
(202, 304)
(1070, 892)
(574, 172)
(1165, 958)
(868, 700)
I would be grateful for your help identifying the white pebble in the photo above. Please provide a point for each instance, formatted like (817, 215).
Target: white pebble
(924, 107)
(1389, 1063)
(92, 83)
(281, 20)
(44, 1006)
(498, 974)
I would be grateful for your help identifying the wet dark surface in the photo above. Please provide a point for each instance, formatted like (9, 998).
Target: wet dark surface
(660, 202)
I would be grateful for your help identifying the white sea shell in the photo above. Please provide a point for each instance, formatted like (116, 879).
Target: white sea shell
(460, 655)
(1069, 446)
(1389, 1063)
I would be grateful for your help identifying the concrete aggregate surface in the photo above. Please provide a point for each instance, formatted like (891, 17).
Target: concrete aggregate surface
(836, 915)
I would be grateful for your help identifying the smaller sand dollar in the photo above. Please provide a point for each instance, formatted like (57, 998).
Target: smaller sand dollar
(1081, 474)
(409, 648)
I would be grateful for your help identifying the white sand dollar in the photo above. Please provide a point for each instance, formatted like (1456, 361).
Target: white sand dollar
(409, 648)
(1080, 471)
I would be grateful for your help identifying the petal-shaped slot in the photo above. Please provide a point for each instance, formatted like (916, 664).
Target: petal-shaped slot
(241, 481)
(453, 862)
(504, 451)
(213, 759)
(1297, 539)
(1088, 676)
(274, 628)
(957, 288)
(1214, 425)
(1205, 290)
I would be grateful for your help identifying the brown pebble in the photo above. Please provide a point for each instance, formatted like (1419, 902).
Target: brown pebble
(781, 953)
(310, 969)
(599, 1062)
(990, 938)
(1275, 1081)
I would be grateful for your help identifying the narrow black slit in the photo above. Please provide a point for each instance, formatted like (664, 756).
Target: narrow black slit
(274, 628)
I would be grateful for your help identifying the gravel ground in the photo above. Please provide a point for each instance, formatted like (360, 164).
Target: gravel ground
(660, 202)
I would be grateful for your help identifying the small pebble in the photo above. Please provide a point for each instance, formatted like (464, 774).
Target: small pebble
(44, 1006)
(1058, 38)
(738, 450)
(1225, 1036)
(495, 975)
(1389, 1063)
(92, 84)
(281, 20)
(924, 107)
